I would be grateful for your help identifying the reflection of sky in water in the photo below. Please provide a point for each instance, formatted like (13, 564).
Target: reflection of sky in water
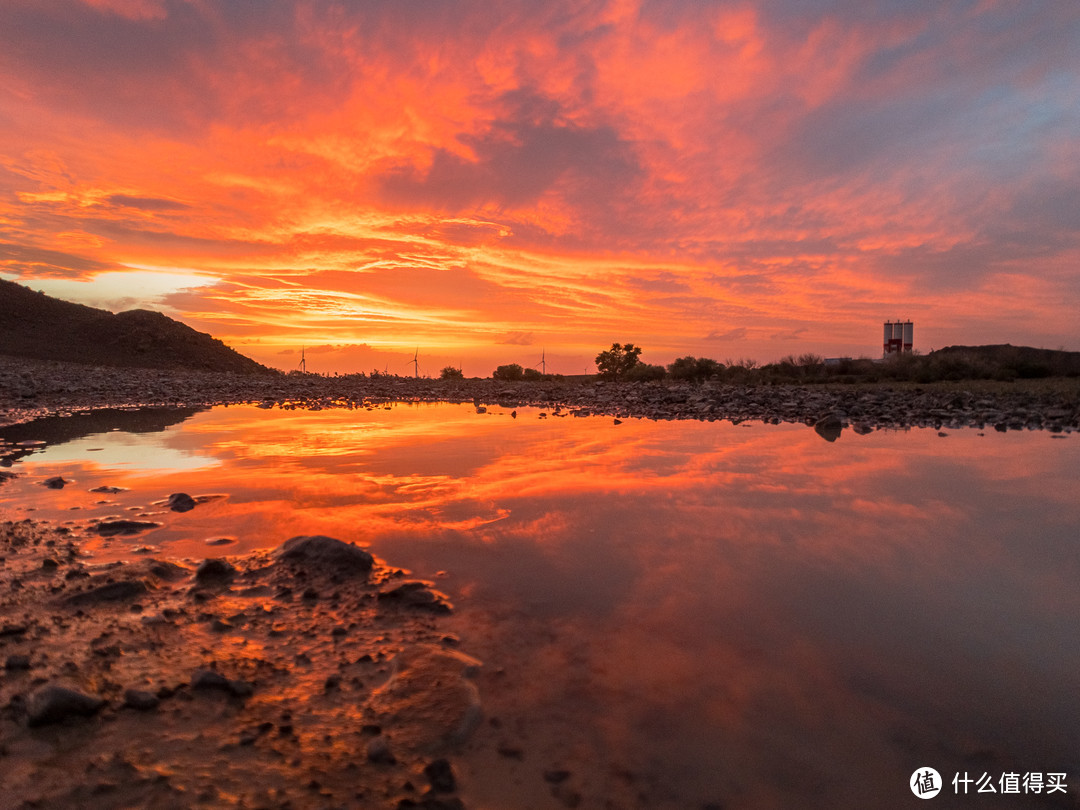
(747, 615)
(146, 452)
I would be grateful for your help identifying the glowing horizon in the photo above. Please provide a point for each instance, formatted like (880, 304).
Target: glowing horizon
(489, 183)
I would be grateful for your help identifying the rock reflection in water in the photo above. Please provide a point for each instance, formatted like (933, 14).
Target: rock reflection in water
(678, 614)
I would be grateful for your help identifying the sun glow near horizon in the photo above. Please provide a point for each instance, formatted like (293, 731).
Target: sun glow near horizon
(723, 179)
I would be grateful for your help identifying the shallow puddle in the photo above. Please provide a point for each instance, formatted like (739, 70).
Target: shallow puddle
(672, 614)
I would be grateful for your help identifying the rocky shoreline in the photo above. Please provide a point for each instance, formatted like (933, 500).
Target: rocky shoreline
(32, 389)
(311, 675)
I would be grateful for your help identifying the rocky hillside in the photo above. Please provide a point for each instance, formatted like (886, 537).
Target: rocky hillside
(35, 325)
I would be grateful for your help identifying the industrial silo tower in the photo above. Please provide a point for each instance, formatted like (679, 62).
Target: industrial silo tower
(899, 337)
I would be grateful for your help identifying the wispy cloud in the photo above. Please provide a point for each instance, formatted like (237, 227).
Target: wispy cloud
(517, 339)
(438, 173)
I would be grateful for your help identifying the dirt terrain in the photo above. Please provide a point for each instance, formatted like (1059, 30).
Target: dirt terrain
(307, 676)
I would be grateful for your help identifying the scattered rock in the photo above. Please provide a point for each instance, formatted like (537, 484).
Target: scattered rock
(418, 594)
(214, 571)
(440, 775)
(169, 571)
(378, 751)
(432, 803)
(53, 703)
(108, 592)
(829, 427)
(209, 680)
(17, 662)
(140, 700)
(109, 490)
(326, 555)
(56, 482)
(556, 776)
(180, 502)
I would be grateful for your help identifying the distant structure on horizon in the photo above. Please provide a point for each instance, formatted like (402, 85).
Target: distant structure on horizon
(899, 337)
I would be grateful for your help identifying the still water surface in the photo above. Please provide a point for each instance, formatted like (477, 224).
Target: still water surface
(681, 614)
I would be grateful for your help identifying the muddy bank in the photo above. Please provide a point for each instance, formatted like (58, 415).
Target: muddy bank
(307, 676)
(31, 389)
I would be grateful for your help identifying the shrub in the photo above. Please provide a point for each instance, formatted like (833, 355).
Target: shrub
(508, 373)
(644, 372)
(694, 368)
(451, 373)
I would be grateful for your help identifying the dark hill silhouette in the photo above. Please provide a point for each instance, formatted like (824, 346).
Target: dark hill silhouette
(1024, 360)
(38, 326)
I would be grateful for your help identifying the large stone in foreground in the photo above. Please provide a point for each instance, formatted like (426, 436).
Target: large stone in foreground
(53, 703)
(326, 555)
(430, 701)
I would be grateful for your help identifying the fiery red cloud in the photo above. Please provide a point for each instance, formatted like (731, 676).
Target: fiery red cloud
(492, 181)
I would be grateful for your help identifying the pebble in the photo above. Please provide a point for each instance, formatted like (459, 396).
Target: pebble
(180, 502)
(432, 803)
(440, 775)
(17, 662)
(209, 680)
(214, 571)
(109, 592)
(141, 700)
(54, 703)
(378, 751)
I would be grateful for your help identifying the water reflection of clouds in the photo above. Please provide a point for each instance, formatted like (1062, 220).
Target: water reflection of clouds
(740, 590)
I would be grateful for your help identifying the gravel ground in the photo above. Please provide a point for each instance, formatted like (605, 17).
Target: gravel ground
(31, 389)
(309, 676)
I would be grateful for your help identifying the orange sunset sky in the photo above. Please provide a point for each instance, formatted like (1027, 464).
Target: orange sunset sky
(489, 181)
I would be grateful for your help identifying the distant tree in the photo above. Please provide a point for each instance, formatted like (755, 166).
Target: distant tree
(618, 360)
(451, 373)
(532, 374)
(508, 373)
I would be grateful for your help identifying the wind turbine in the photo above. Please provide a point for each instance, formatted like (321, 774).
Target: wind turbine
(303, 360)
(416, 365)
